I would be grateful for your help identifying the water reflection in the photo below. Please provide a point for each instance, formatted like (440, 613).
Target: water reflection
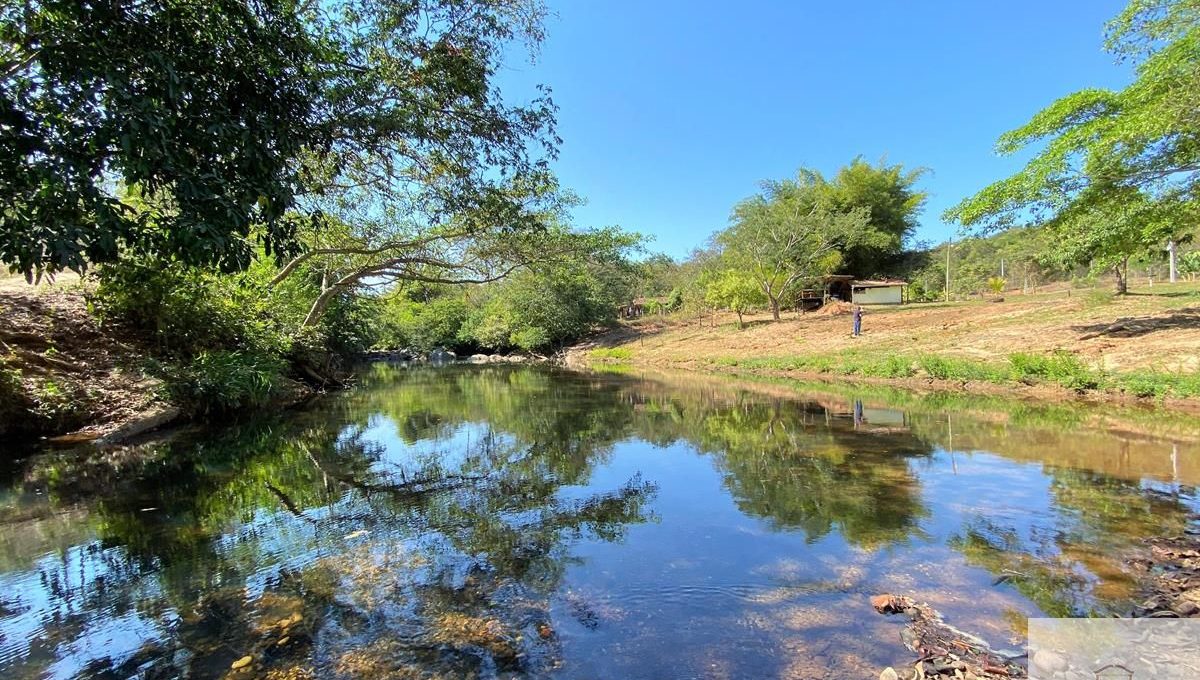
(508, 521)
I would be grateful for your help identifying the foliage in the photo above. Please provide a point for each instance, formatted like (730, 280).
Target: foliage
(791, 234)
(536, 308)
(1060, 367)
(1028, 255)
(218, 382)
(208, 104)
(535, 311)
(181, 310)
(892, 203)
(371, 131)
(1116, 169)
(422, 325)
(996, 284)
(736, 291)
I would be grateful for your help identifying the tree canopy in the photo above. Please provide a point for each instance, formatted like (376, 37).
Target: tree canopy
(792, 233)
(1104, 155)
(245, 124)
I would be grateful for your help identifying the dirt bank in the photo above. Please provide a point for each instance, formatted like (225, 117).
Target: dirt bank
(1154, 330)
(64, 373)
(65, 376)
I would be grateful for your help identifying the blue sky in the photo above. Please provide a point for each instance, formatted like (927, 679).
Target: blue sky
(673, 111)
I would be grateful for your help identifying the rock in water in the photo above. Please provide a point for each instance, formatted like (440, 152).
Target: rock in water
(242, 662)
(889, 674)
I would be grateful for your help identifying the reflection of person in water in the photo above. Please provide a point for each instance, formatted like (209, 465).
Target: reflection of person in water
(858, 413)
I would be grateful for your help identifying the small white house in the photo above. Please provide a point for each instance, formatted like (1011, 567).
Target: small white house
(877, 292)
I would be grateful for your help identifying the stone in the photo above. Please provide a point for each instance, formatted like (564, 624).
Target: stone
(1047, 661)
(1186, 608)
(242, 662)
(889, 673)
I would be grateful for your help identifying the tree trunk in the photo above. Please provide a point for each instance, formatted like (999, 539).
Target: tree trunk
(739, 313)
(1172, 258)
(319, 306)
(775, 308)
(1122, 278)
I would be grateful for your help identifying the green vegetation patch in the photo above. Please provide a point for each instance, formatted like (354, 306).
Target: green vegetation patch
(611, 354)
(1057, 368)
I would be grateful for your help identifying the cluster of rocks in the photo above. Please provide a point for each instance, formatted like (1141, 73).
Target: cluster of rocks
(439, 356)
(943, 651)
(1171, 576)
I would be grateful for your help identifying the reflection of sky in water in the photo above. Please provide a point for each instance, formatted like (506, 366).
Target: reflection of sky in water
(770, 524)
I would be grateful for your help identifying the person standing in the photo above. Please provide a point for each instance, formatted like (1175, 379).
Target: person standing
(857, 314)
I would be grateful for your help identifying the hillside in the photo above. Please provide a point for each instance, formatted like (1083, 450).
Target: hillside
(1153, 333)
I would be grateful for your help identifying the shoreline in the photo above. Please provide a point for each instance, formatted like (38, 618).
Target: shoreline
(921, 384)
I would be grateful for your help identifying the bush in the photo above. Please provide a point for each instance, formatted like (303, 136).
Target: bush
(1098, 298)
(181, 311)
(221, 381)
(1060, 367)
(950, 368)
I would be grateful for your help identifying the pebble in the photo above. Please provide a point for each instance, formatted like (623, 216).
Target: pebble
(889, 673)
(242, 662)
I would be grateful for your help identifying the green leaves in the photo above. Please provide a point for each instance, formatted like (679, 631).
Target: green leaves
(1114, 166)
(791, 234)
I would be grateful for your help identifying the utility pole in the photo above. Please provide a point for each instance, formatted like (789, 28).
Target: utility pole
(949, 245)
(1002, 267)
(1171, 258)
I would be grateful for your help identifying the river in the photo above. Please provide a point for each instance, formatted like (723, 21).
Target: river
(514, 521)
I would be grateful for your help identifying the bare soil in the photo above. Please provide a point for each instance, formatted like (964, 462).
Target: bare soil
(1154, 328)
(74, 375)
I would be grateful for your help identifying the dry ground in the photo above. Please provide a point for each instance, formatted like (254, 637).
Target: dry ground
(73, 372)
(1153, 328)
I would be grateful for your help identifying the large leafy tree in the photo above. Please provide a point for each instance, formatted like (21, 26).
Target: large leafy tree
(370, 125)
(790, 234)
(892, 201)
(1113, 166)
(205, 104)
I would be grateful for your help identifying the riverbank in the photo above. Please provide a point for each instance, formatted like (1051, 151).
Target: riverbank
(66, 376)
(1063, 345)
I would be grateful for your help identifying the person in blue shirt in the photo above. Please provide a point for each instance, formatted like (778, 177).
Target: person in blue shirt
(857, 314)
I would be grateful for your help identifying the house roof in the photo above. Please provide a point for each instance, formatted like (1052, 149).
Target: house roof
(878, 284)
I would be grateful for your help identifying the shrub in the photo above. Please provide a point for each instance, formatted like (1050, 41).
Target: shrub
(1060, 367)
(611, 353)
(221, 381)
(182, 311)
(1098, 298)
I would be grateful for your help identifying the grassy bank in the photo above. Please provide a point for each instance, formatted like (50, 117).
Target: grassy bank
(1059, 369)
(1145, 345)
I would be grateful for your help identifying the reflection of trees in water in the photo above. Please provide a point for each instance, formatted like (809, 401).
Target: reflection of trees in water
(448, 559)
(1080, 568)
(489, 539)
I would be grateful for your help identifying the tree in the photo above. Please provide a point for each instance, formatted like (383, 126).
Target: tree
(433, 177)
(1189, 263)
(736, 291)
(204, 104)
(789, 234)
(359, 125)
(1109, 158)
(888, 194)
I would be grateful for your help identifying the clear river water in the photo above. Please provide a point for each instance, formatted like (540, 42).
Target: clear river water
(511, 521)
